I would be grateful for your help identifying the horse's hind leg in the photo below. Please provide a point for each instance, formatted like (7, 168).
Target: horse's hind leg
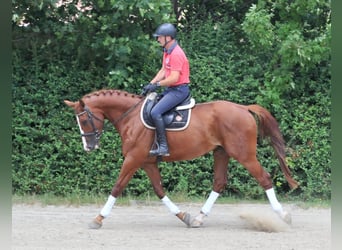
(221, 160)
(153, 173)
(264, 179)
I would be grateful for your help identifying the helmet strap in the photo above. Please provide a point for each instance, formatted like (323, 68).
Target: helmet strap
(166, 42)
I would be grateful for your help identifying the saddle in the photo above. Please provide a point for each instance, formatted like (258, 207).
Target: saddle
(175, 119)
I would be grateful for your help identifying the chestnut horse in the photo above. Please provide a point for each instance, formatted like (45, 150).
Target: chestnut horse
(228, 129)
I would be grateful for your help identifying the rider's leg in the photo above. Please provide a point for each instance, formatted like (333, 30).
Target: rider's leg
(162, 148)
(171, 98)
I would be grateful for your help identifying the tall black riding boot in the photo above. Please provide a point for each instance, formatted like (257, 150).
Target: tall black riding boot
(162, 149)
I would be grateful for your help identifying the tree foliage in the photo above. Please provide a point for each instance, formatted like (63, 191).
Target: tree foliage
(272, 52)
(296, 37)
(112, 36)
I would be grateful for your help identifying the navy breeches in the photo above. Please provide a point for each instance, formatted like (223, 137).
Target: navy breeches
(171, 97)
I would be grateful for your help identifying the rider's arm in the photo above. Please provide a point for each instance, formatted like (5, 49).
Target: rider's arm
(171, 79)
(159, 76)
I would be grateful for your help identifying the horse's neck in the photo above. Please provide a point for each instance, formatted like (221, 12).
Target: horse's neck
(117, 106)
(113, 104)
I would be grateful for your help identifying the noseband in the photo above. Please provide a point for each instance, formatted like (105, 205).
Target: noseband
(90, 117)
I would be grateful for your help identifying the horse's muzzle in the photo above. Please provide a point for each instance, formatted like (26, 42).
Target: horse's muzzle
(92, 147)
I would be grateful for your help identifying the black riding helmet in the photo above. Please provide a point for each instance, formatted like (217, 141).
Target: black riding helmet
(166, 29)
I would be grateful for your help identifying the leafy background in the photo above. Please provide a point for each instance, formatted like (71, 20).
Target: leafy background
(273, 53)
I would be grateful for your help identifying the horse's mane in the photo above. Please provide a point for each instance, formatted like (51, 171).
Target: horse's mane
(110, 92)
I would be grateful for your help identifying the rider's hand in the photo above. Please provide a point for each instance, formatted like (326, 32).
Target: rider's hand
(150, 87)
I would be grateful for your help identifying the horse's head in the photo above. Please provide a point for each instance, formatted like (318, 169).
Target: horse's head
(89, 122)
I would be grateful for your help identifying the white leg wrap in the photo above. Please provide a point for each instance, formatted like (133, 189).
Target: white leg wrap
(172, 207)
(210, 202)
(108, 206)
(273, 200)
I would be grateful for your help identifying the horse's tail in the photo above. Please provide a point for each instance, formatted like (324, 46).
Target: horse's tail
(268, 127)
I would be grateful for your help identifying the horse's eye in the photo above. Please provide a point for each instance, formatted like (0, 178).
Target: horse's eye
(84, 123)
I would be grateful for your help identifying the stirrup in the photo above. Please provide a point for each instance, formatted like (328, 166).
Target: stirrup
(157, 152)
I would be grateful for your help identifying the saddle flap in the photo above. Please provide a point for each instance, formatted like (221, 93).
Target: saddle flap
(176, 119)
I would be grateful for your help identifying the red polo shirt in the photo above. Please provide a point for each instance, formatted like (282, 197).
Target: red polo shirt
(175, 59)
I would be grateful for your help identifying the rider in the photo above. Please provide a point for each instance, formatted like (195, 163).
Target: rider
(175, 76)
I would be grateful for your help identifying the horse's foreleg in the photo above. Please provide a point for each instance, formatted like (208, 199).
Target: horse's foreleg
(105, 211)
(221, 160)
(199, 219)
(183, 216)
(153, 173)
(126, 173)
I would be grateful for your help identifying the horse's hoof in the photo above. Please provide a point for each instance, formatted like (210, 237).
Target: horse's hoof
(196, 223)
(286, 217)
(95, 224)
(185, 217)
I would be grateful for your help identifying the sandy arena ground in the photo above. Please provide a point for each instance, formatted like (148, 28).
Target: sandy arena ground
(151, 226)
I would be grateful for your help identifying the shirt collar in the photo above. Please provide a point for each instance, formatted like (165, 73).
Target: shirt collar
(169, 50)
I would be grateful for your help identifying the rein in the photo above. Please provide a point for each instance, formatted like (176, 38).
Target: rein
(127, 112)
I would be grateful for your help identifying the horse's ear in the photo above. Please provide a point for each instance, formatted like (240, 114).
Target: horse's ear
(70, 104)
(81, 103)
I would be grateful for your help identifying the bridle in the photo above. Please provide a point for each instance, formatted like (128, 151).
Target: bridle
(95, 133)
(90, 119)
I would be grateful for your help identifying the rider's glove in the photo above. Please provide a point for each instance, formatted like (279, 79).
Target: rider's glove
(150, 88)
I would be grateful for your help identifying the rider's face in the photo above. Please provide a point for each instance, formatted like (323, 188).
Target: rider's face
(162, 40)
